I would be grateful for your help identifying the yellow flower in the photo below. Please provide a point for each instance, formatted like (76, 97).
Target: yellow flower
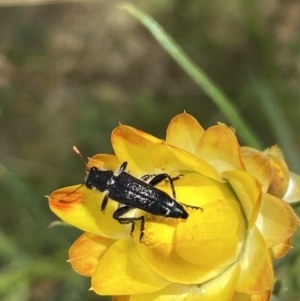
(223, 252)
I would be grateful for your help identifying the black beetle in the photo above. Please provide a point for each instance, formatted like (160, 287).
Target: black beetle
(131, 192)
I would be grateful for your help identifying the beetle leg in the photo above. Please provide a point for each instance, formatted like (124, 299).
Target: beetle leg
(192, 207)
(147, 177)
(120, 212)
(118, 215)
(160, 177)
(122, 168)
(104, 201)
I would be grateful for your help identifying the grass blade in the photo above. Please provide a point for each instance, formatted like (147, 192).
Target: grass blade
(198, 75)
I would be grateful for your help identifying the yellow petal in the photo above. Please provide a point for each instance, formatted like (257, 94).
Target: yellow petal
(174, 292)
(104, 161)
(280, 172)
(169, 158)
(86, 251)
(293, 193)
(277, 220)
(132, 145)
(274, 151)
(256, 266)
(121, 271)
(220, 288)
(219, 147)
(158, 252)
(193, 189)
(248, 191)
(265, 296)
(163, 159)
(258, 166)
(81, 208)
(184, 131)
(213, 237)
(281, 249)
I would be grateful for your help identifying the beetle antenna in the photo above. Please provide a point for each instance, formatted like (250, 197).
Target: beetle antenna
(61, 200)
(76, 150)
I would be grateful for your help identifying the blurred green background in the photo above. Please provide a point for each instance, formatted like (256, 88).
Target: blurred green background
(69, 73)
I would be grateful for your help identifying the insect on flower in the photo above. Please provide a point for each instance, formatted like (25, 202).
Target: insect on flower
(132, 192)
(222, 252)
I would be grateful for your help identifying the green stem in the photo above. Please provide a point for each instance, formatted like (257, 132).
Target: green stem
(278, 122)
(198, 75)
